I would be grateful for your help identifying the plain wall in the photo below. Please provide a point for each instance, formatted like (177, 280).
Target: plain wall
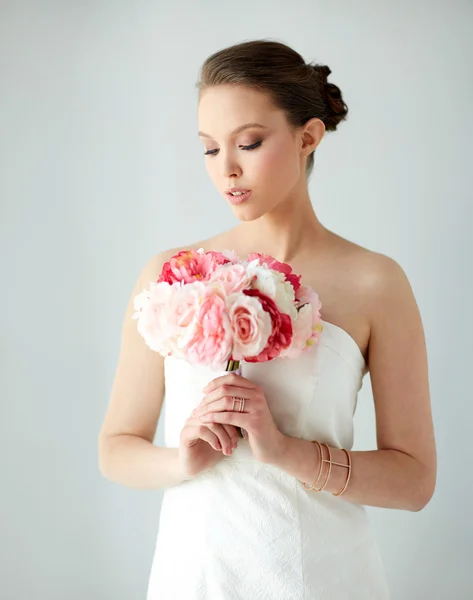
(101, 168)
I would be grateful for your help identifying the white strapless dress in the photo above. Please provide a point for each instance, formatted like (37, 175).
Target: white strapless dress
(248, 531)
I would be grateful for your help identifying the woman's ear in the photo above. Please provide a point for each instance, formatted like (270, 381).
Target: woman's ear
(312, 134)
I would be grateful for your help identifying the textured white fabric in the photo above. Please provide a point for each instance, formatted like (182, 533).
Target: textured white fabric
(248, 531)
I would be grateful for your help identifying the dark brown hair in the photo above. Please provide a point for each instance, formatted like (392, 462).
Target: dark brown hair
(298, 88)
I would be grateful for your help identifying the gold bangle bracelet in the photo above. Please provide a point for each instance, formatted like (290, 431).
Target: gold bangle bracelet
(329, 461)
(312, 486)
(348, 475)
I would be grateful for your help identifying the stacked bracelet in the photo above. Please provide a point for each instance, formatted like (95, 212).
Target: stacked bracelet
(330, 463)
(312, 487)
(348, 475)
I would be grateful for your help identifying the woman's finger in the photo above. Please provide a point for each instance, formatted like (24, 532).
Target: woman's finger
(204, 432)
(229, 378)
(232, 433)
(225, 391)
(225, 404)
(222, 435)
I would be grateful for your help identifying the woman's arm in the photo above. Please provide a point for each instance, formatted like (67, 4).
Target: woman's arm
(133, 461)
(386, 478)
(402, 472)
(127, 454)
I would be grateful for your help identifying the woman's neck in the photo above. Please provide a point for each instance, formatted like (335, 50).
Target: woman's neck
(286, 233)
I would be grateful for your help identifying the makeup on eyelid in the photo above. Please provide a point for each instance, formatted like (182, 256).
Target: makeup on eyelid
(248, 147)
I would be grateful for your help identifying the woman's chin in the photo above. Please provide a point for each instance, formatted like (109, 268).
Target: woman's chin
(247, 213)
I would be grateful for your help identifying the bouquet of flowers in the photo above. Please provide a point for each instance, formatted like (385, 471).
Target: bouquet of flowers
(212, 308)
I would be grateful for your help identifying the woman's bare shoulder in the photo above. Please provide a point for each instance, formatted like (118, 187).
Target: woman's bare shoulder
(366, 264)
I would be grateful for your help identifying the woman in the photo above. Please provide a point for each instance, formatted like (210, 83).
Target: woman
(279, 513)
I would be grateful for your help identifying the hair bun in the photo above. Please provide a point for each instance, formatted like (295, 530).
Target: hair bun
(323, 71)
(337, 109)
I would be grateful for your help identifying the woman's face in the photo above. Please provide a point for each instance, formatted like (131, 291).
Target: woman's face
(266, 160)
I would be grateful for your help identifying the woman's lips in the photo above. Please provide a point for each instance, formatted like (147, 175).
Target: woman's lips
(238, 199)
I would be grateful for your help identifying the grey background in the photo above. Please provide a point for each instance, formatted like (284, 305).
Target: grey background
(101, 168)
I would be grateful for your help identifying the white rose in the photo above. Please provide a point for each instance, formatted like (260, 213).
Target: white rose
(274, 285)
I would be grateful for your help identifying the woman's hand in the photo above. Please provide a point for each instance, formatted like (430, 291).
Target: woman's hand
(265, 439)
(201, 446)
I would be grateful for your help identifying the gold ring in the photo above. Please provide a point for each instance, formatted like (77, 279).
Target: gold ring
(242, 404)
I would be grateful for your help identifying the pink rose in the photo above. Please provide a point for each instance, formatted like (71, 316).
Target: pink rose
(308, 324)
(208, 340)
(251, 326)
(182, 311)
(281, 334)
(274, 264)
(234, 278)
(191, 265)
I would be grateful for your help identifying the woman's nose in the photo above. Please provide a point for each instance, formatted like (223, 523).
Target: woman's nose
(231, 170)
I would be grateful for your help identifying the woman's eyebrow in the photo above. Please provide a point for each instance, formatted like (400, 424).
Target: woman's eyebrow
(237, 130)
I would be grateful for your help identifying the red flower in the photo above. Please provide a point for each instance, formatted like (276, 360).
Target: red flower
(281, 336)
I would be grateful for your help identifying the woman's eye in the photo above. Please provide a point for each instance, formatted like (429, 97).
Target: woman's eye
(252, 147)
